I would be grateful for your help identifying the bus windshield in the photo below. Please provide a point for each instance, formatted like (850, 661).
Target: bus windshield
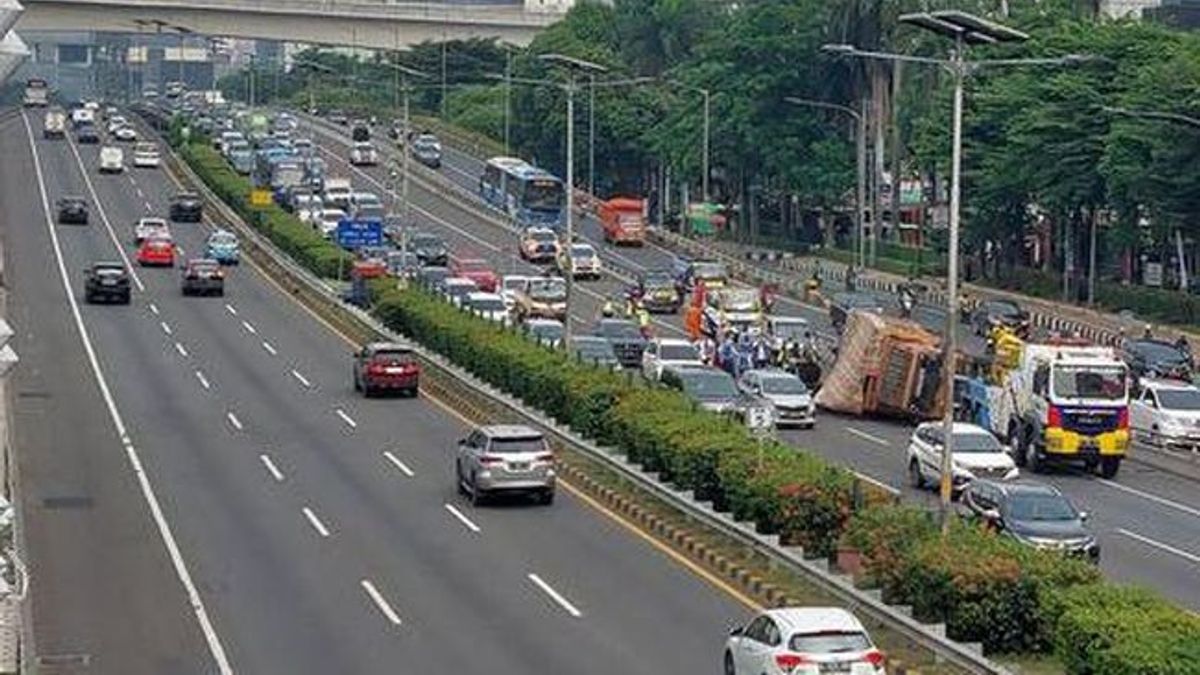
(543, 194)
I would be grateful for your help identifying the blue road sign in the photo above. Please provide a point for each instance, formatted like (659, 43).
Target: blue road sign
(358, 233)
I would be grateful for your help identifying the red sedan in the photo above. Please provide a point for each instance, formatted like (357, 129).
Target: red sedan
(477, 270)
(156, 252)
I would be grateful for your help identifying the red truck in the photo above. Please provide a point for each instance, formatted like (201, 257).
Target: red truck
(624, 220)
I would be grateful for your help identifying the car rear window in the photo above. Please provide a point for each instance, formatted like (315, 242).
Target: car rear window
(831, 642)
(393, 356)
(511, 445)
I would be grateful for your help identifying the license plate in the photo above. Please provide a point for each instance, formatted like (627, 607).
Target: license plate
(108, 282)
(518, 466)
(836, 667)
(1088, 445)
(393, 371)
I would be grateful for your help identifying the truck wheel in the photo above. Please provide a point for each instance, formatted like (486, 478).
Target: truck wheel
(1109, 466)
(1037, 462)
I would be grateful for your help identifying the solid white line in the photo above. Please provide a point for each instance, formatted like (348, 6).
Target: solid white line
(1191, 557)
(865, 436)
(346, 418)
(154, 309)
(270, 349)
(112, 234)
(381, 604)
(203, 380)
(555, 595)
(274, 470)
(230, 309)
(462, 518)
(303, 380)
(237, 424)
(249, 328)
(179, 348)
(164, 529)
(398, 464)
(1154, 498)
(315, 522)
(165, 328)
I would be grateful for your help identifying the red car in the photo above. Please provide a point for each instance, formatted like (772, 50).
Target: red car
(157, 252)
(477, 270)
(386, 366)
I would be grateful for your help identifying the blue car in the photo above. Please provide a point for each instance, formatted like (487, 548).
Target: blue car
(222, 246)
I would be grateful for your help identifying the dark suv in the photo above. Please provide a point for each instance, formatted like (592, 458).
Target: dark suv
(72, 210)
(106, 282)
(386, 366)
(186, 207)
(1035, 514)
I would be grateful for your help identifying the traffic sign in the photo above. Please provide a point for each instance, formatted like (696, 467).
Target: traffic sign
(359, 233)
(260, 198)
(760, 419)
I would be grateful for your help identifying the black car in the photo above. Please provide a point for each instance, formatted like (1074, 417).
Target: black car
(202, 277)
(626, 340)
(658, 291)
(72, 211)
(992, 313)
(186, 207)
(1034, 514)
(106, 282)
(87, 133)
(1148, 357)
(430, 249)
(361, 133)
(841, 304)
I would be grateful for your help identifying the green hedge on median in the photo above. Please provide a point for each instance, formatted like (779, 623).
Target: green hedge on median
(984, 587)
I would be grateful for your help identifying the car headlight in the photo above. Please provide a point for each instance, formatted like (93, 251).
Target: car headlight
(1012, 474)
(1174, 423)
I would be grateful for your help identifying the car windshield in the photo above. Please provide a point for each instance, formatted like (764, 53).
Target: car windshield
(658, 279)
(583, 252)
(672, 352)
(740, 300)
(708, 384)
(593, 348)
(547, 331)
(543, 236)
(1005, 309)
(222, 239)
(425, 241)
(708, 270)
(618, 329)
(973, 441)
(514, 283)
(793, 386)
(548, 290)
(488, 304)
(788, 329)
(110, 271)
(513, 445)
(1040, 506)
(1179, 399)
(829, 642)
(204, 267)
(392, 356)
(1090, 382)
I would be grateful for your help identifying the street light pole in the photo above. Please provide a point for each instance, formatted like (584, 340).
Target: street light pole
(592, 134)
(402, 73)
(507, 97)
(707, 150)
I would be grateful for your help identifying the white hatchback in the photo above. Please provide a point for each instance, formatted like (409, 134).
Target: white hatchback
(976, 453)
(802, 641)
(112, 159)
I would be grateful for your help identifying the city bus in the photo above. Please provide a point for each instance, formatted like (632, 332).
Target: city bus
(37, 93)
(527, 194)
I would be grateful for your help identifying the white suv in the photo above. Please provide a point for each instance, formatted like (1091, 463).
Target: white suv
(664, 352)
(1166, 413)
(802, 641)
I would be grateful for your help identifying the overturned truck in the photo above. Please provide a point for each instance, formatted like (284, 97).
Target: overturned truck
(886, 366)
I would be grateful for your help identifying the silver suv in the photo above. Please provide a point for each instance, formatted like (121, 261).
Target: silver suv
(504, 458)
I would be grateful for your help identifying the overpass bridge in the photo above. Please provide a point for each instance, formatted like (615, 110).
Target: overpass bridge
(372, 24)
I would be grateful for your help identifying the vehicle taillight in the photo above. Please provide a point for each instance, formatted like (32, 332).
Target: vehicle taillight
(1053, 417)
(788, 662)
(376, 369)
(490, 459)
(1123, 418)
(875, 658)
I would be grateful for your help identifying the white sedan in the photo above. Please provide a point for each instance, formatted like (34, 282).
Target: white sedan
(975, 454)
(364, 154)
(145, 155)
(112, 159)
(666, 352)
(787, 393)
(802, 641)
(327, 221)
(125, 134)
(1166, 413)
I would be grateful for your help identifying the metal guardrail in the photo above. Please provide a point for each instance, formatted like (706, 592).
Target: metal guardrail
(930, 637)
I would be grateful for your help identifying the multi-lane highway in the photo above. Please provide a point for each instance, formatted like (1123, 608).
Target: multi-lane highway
(1148, 521)
(202, 491)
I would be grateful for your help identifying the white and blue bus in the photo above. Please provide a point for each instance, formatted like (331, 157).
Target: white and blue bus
(529, 195)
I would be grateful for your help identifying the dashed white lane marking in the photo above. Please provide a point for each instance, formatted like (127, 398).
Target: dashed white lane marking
(346, 418)
(148, 206)
(203, 380)
(398, 464)
(179, 249)
(237, 424)
(215, 648)
(462, 518)
(182, 352)
(269, 348)
(301, 379)
(1154, 498)
(271, 468)
(380, 604)
(154, 309)
(165, 328)
(230, 308)
(249, 327)
(555, 595)
(867, 437)
(1191, 557)
(315, 522)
